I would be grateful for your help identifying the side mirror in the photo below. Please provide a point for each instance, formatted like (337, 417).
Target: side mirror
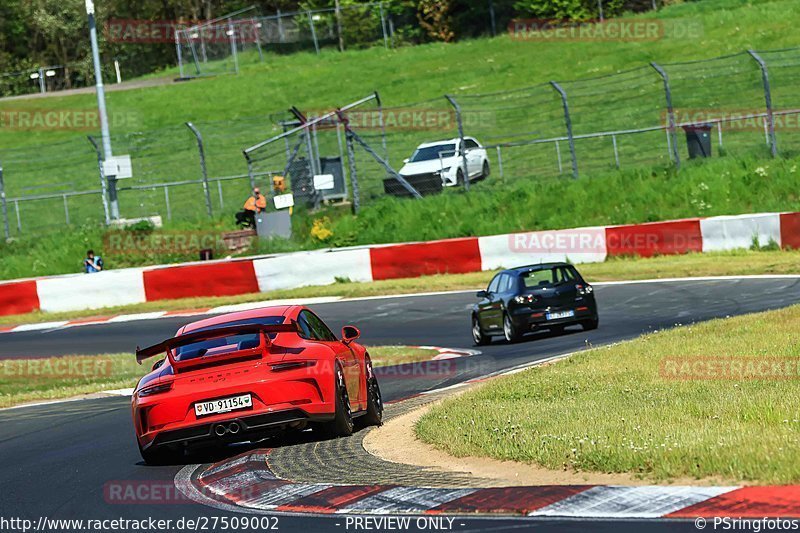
(349, 334)
(406, 160)
(158, 364)
(482, 294)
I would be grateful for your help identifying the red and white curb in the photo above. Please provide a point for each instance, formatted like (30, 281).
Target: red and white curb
(246, 484)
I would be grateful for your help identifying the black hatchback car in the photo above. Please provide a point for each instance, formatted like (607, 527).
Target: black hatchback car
(548, 296)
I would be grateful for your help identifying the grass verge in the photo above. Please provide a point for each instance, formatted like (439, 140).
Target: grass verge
(51, 378)
(646, 407)
(732, 263)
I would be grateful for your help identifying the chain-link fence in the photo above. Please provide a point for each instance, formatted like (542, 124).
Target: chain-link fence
(740, 104)
(222, 46)
(743, 104)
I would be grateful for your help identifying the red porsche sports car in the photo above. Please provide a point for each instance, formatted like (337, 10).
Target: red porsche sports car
(243, 376)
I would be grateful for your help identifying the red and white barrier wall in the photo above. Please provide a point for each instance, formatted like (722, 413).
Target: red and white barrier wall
(379, 262)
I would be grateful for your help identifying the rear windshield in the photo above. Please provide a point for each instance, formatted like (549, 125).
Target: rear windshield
(223, 345)
(547, 277)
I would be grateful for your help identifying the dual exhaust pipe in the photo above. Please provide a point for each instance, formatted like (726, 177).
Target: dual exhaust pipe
(220, 430)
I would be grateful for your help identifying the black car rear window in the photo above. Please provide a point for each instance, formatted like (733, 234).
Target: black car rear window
(546, 277)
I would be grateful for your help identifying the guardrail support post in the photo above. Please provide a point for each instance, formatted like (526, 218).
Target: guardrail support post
(672, 141)
(768, 100)
(202, 151)
(4, 203)
(461, 150)
(568, 123)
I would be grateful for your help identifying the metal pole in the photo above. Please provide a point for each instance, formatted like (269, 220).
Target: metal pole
(42, 88)
(117, 71)
(313, 31)
(568, 123)
(233, 47)
(383, 27)
(719, 134)
(250, 172)
(338, 11)
(672, 141)
(101, 107)
(558, 156)
(256, 25)
(351, 160)
(166, 199)
(103, 187)
(201, 149)
(66, 209)
(461, 149)
(19, 219)
(768, 100)
(500, 162)
(219, 190)
(600, 9)
(281, 34)
(316, 149)
(385, 164)
(178, 51)
(4, 205)
(616, 152)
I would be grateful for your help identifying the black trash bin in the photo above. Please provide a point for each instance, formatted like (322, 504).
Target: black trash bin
(698, 140)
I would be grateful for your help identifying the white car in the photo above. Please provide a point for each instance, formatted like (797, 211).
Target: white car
(442, 159)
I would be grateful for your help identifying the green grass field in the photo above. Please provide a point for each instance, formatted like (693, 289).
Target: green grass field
(645, 407)
(52, 378)
(236, 111)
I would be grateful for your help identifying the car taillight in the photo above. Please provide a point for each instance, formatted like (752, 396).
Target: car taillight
(525, 299)
(584, 290)
(155, 389)
(291, 365)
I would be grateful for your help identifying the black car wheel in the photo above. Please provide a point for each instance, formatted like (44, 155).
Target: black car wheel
(159, 456)
(478, 336)
(509, 329)
(342, 423)
(374, 416)
(591, 323)
(485, 172)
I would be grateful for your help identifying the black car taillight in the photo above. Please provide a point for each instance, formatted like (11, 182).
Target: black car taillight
(155, 389)
(584, 290)
(525, 299)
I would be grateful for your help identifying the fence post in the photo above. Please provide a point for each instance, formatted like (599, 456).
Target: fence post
(250, 171)
(19, 218)
(66, 209)
(768, 99)
(338, 14)
(492, 18)
(201, 149)
(234, 51)
(256, 26)
(313, 31)
(103, 195)
(383, 27)
(178, 51)
(4, 204)
(462, 151)
(166, 200)
(568, 123)
(383, 125)
(219, 190)
(351, 162)
(672, 141)
(616, 151)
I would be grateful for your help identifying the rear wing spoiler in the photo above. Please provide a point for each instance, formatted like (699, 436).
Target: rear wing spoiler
(207, 334)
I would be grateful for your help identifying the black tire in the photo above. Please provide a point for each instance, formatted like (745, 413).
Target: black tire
(374, 416)
(486, 170)
(342, 423)
(591, 323)
(478, 336)
(159, 456)
(509, 329)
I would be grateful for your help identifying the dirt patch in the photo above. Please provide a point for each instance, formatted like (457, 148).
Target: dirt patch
(396, 442)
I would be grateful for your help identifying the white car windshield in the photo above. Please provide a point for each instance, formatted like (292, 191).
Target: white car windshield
(432, 152)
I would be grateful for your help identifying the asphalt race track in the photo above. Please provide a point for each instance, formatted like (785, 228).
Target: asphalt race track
(58, 458)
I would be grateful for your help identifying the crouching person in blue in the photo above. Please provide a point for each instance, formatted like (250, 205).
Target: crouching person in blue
(92, 263)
